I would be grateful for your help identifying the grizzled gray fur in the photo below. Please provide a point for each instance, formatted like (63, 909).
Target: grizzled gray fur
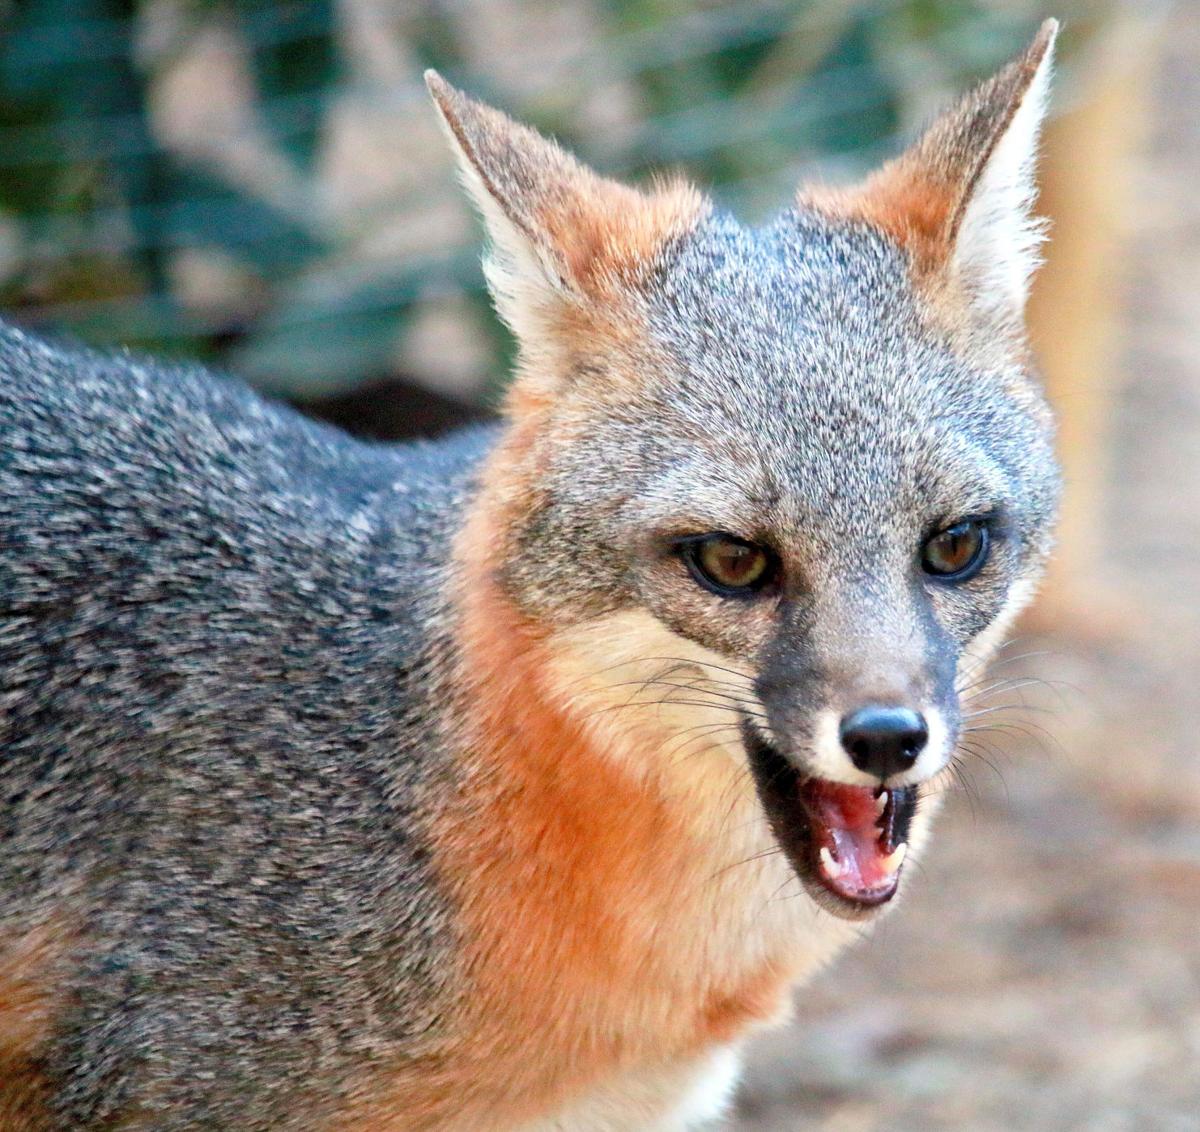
(218, 629)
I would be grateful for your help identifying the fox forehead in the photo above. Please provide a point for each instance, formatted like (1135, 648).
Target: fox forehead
(789, 370)
(809, 319)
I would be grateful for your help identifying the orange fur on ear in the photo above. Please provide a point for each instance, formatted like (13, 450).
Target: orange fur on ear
(920, 198)
(615, 232)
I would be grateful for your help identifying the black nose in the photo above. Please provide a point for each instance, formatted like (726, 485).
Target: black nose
(884, 740)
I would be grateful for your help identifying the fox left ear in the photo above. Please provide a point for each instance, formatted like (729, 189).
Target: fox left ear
(558, 231)
(960, 199)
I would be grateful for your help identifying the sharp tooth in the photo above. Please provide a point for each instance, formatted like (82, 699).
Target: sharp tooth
(895, 858)
(881, 803)
(833, 868)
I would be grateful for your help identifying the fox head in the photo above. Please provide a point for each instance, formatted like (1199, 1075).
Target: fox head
(783, 487)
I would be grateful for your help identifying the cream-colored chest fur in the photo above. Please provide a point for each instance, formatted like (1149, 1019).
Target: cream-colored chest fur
(675, 1098)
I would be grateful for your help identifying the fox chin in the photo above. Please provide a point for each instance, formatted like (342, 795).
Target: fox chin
(510, 782)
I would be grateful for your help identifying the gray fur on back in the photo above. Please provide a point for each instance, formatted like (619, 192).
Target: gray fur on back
(219, 627)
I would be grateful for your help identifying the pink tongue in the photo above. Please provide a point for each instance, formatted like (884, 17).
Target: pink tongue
(844, 821)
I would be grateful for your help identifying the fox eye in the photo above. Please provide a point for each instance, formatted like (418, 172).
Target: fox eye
(958, 552)
(728, 565)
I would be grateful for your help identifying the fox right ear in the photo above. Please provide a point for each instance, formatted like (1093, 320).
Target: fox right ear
(558, 231)
(960, 199)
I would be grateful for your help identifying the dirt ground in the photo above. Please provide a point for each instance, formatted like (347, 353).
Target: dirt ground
(1044, 971)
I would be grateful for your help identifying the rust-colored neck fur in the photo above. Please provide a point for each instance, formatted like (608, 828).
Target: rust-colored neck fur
(585, 895)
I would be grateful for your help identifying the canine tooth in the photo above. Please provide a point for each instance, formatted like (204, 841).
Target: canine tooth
(832, 866)
(881, 803)
(895, 858)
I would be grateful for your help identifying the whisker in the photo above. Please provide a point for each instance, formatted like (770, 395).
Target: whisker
(1008, 684)
(698, 664)
(761, 855)
(968, 788)
(1034, 732)
(987, 664)
(1021, 706)
(970, 750)
(693, 687)
(661, 703)
(706, 731)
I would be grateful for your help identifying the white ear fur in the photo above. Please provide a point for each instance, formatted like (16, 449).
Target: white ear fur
(521, 274)
(996, 249)
(522, 278)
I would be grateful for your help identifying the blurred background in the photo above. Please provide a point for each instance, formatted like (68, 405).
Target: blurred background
(261, 184)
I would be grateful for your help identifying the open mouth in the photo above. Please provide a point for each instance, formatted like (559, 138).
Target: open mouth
(846, 843)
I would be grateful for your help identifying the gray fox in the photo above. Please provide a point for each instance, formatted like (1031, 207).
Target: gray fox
(509, 782)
